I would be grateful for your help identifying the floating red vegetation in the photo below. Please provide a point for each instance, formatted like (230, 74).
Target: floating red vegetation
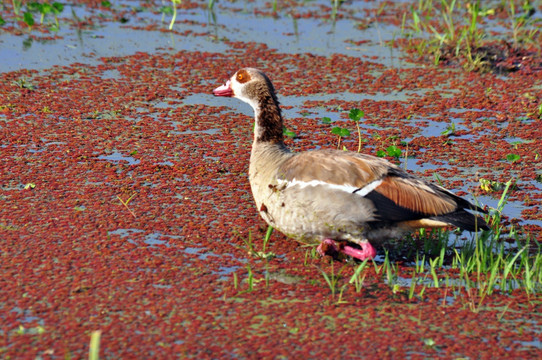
(126, 208)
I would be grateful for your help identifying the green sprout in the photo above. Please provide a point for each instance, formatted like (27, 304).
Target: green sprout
(44, 9)
(391, 150)
(17, 4)
(289, 133)
(174, 2)
(513, 157)
(94, 347)
(28, 19)
(450, 130)
(340, 132)
(356, 115)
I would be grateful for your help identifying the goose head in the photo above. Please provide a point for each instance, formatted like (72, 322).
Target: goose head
(251, 86)
(254, 87)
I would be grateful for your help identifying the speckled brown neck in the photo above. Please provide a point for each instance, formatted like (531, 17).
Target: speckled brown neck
(269, 120)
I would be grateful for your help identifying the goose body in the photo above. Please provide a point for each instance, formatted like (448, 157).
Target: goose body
(331, 196)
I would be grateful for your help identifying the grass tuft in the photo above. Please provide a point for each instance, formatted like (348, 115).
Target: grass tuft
(458, 31)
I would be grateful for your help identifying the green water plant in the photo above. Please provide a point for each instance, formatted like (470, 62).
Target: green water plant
(289, 133)
(126, 202)
(449, 131)
(460, 31)
(250, 248)
(56, 9)
(28, 19)
(275, 5)
(496, 267)
(29, 186)
(484, 264)
(359, 276)
(46, 8)
(391, 150)
(332, 280)
(494, 185)
(174, 17)
(433, 266)
(414, 279)
(23, 83)
(235, 281)
(250, 279)
(356, 115)
(17, 4)
(326, 120)
(390, 269)
(165, 10)
(335, 8)
(341, 133)
(94, 346)
(267, 254)
(520, 23)
(513, 157)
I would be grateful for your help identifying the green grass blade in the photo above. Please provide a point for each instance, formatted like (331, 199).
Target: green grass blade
(94, 349)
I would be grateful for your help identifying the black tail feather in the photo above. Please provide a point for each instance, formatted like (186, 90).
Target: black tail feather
(464, 220)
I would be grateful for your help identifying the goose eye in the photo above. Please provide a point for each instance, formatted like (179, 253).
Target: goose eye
(242, 76)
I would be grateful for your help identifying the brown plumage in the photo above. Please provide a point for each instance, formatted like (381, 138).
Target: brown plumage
(336, 197)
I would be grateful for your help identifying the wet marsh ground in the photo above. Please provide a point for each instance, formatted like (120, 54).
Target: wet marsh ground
(125, 205)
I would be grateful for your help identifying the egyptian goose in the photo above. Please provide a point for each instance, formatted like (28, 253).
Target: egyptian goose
(336, 197)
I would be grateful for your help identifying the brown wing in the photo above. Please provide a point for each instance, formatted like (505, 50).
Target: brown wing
(403, 198)
(397, 196)
(333, 167)
(417, 196)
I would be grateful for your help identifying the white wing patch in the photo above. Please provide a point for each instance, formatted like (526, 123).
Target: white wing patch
(347, 188)
(369, 187)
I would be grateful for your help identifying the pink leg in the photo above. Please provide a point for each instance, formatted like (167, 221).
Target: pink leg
(367, 251)
(331, 247)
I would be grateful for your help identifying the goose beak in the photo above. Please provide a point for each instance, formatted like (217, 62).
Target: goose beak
(224, 90)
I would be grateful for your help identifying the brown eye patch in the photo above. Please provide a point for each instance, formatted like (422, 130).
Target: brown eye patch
(243, 76)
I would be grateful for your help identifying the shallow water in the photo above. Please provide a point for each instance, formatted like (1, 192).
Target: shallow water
(110, 39)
